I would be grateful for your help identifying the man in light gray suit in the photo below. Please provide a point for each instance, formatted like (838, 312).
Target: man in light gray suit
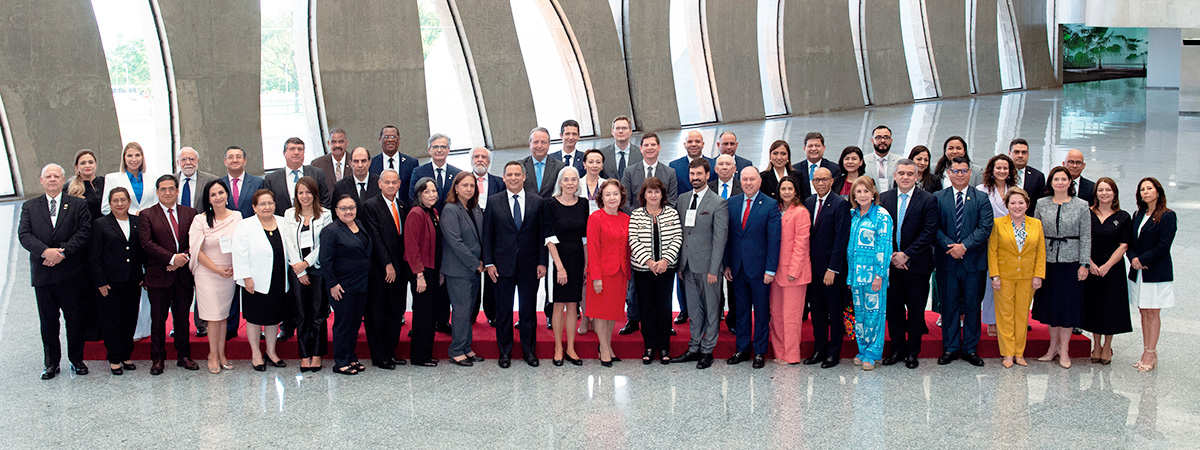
(649, 166)
(705, 217)
(191, 183)
(881, 158)
(620, 154)
(542, 170)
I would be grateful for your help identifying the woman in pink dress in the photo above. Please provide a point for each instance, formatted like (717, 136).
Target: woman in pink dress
(211, 241)
(791, 281)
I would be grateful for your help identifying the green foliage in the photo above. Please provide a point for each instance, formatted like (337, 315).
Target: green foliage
(127, 65)
(1086, 47)
(278, 52)
(431, 27)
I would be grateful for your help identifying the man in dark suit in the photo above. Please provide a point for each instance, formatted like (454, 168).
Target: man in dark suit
(915, 215)
(515, 256)
(694, 146)
(55, 229)
(1029, 178)
(282, 182)
(705, 220)
(442, 174)
(569, 155)
(728, 144)
(649, 166)
(387, 293)
(965, 223)
(163, 231)
(827, 293)
(335, 164)
(192, 181)
(360, 184)
(814, 158)
(727, 185)
(242, 187)
(751, 256)
(620, 154)
(541, 170)
(390, 157)
(486, 184)
(1085, 189)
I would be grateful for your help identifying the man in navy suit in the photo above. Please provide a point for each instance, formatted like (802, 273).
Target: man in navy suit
(961, 253)
(694, 145)
(826, 295)
(242, 187)
(1028, 178)
(569, 131)
(359, 184)
(486, 184)
(442, 173)
(514, 255)
(390, 157)
(751, 256)
(728, 144)
(814, 158)
(915, 215)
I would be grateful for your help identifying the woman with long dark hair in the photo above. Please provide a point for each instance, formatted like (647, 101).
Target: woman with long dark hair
(851, 163)
(1106, 311)
(462, 232)
(1150, 269)
(423, 251)
(211, 245)
(921, 155)
(779, 166)
(306, 219)
(954, 147)
(793, 275)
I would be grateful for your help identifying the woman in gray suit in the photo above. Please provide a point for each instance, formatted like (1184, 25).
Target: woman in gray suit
(462, 223)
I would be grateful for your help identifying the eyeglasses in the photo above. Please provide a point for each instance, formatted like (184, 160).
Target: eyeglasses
(821, 180)
(440, 147)
(960, 171)
(389, 136)
(1073, 163)
(883, 138)
(346, 208)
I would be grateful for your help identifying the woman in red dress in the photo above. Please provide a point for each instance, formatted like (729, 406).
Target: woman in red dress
(608, 265)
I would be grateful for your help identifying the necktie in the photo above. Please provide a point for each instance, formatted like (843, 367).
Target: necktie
(746, 213)
(1021, 178)
(187, 192)
(337, 171)
(621, 166)
(881, 170)
(538, 166)
(958, 217)
(517, 211)
(396, 217)
(817, 212)
(53, 212)
(725, 190)
(391, 163)
(174, 226)
(362, 191)
(295, 176)
(479, 189)
(649, 171)
(567, 159)
(441, 182)
(694, 198)
(235, 192)
(900, 216)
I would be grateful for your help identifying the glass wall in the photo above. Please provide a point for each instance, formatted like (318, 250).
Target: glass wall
(689, 62)
(856, 25)
(1012, 72)
(287, 100)
(914, 30)
(555, 78)
(770, 66)
(453, 110)
(7, 186)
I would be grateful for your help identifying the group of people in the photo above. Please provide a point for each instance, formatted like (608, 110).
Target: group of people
(609, 233)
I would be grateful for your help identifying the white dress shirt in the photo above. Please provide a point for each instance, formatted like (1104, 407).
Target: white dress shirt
(524, 204)
(55, 205)
(291, 184)
(392, 204)
(124, 224)
(172, 211)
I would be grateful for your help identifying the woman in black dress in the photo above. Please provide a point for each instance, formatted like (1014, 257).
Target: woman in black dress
(568, 216)
(1106, 292)
(260, 266)
(86, 185)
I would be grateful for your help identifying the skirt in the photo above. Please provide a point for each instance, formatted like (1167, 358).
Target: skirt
(1059, 303)
(1151, 295)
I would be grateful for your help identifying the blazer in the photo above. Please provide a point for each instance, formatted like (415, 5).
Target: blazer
(754, 249)
(115, 258)
(1086, 190)
(325, 163)
(793, 248)
(462, 249)
(641, 237)
(740, 163)
(683, 181)
(800, 171)
(1006, 261)
(770, 183)
(704, 243)
(381, 227)
(1034, 185)
(1152, 246)
(277, 182)
(407, 165)
(735, 187)
(345, 257)
(829, 236)
(977, 226)
(607, 256)
(919, 230)
(635, 175)
(633, 156)
(291, 240)
(248, 186)
(576, 159)
(420, 241)
(71, 233)
(159, 245)
(1068, 230)
(201, 179)
(496, 184)
(511, 249)
(120, 179)
(253, 256)
(871, 166)
(426, 170)
(349, 186)
(549, 176)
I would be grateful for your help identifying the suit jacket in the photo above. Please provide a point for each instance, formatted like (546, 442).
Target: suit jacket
(1034, 185)
(800, 171)
(120, 179)
(703, 243)
(496, 184)
(683, 181)
(277, 182)
(420, 240)
(794, 238)
(1152, 246)
(1008, 262)
(871, 166)
(345, 257)
(770, 183)
(829, 236)
(977, 227)
(426, 170)
(549, 176)
(462, 247)
(200, 179)
(115, 258)
(754, 249)
(919, 230)
(71, 233)
(1086, 190)
(735, 187)
(253, 256)
(248, 186)
(514, 252)
(610, 159)
(407, 164)
(635, 175)
(159, 245)
(349, 186)
(381, 227)
(576, 160)
(325, 163)
(740, 163)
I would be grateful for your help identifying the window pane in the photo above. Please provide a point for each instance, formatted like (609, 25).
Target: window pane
(289, 106)
(448, 88)
(138, 75)
(768, 57)
(856, 20)
(1011, 71)
(555, 78)
(917, 53)
(7, 187)
(693, 92)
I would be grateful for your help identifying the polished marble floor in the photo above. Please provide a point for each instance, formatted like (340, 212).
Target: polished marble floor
(1125, 131)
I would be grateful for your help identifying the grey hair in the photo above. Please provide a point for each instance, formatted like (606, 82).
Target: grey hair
(182, 149)
(385, 171)
(558, 181)
(52, 166)
(435, 137)
(535, 130)
(338, 131)
(485, 151)
(906, 162)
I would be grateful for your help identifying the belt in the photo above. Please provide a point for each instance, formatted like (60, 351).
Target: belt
(1061, 239)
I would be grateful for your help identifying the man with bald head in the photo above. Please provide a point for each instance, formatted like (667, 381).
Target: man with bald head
(1085, 189)
(191, 183)
(361, 184)
(827, 294)
(751, 257)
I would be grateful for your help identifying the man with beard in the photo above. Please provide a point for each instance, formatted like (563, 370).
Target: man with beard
(705, 227)
(486, 184)
(881, 164)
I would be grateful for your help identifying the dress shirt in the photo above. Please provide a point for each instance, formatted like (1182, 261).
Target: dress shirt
(55, 205)
(1020, 175)
(361, 186)
(124, 224)
(188, 182)
(439, 181)
(725, 188)
(391, 203)
(339, 167)
(291, 183)
(901, 207)
(235, 186)
(820, 206)
(172, 212)
(699, 196)
(481, 184)
(392, 162)
(524, 204)
(570, 158)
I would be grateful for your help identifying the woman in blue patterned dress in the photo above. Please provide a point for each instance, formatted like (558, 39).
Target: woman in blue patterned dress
(868, 256)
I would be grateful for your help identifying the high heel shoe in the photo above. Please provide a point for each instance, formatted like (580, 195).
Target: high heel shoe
(606, 363)
(573, 361)
(1048, 358)
(647, 356)
(1105, 362)
(279, 363)
(1141, 367)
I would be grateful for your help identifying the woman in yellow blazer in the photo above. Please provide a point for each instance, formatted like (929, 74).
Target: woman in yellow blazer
(1016, 268)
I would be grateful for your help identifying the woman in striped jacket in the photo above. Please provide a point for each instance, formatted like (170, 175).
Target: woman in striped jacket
(655, 237)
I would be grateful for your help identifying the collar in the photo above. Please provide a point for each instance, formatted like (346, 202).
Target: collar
(335, 160)
(535, 160)
(570, 153)
(392, 201)
(960, 191)
(720, 181)
(289, 170)
(779, 176)
(822, 199)
(622, 150)
(165, 208)
(699, 193)
(519, 194)
(239, 177)
(646, 164)
(436, 167)
(56, 198)
(364, 180)
(900, 192)
(752, 197)
(810, 163)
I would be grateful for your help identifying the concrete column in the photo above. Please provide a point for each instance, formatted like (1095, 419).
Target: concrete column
(818, 57)
(1035, 46)
(1163, 58)
(55, 86)
(494, 55)
(883, 54)
(947, 40)
(648, 57)
(987, 56)
(732, 39)
(601, 59)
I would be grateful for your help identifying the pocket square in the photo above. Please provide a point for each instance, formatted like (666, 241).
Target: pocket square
(705, 213)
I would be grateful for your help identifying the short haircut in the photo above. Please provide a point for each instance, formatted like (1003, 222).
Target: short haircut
(167, 177)
(593, 151)
(118, 190)
(881, 127)
(364, 149)
(337, 131)
(961, 160)
(651, 136)
(514, 163)
(723, 133)
(699, 162)
(259, 194)
(1020, 141)
(568, 123)
(386, 127)
(906, 162)
(1016, 191)
(622, 117)
(610, 182)
(292, 140)
(652, 183)
(537, 129)
(53, 166)
(814, 135)
(435, 137)
(234, 147)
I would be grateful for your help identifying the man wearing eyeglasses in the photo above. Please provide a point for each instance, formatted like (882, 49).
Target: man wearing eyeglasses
(442, 173)
(881, 163)
(961, 254)
(191, 182)
(390, 158)
(1085, 189)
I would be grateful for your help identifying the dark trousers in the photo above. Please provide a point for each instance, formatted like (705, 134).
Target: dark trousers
(680, 297)
(118, 316)
(753, 299)
(906, 296)
(385, 307)
(347, 317)
(88, 314)
(632, 312)
(423, 316)
(312, 307)
(488, 301)
(826, 305)
(176, 300)
(654, 295)
(441, 306)
(962, 293)
(525, 286)
(51, 299)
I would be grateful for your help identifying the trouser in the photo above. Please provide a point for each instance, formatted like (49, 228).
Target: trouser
(704, 302)
(51, 299)
(347, 317)
(753, 299)
(961, 294)
(461, 291)
(826, 306)
(440, 307)
(632, 312)
(487, 300)
(1012, 315)
(681, 297)
(312, 308)
(907, 293)
(423, 307)
(525, 286)
(870, 312)
(385, 307)
(654, 294)
(787, 318)
(119, 314)
(176, 300)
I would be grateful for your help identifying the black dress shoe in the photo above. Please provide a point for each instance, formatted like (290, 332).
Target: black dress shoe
(128, 366)
(531, 360)
(557, 362)
(974, 359)
(359, 366)
(947, 358)
(831, 361)
(385, 365)
(891, 360)
(505, 361)
(203, 332)
(647, 356)
(706, 360)
(49, 372)
(759, 361)
(398, 361)
(687, 356)
(465, 362)
(279, 363)
(739, 357)
(187, 363)
(443, 328)
(911, 362)
(117, 371)
(681, 319)
(476, 358)
(629, 328)
(79, 368)
(573, 361)
(814, 359)
(430, 363)
(257, 367)
(156, 367)
(606, 363)
(283, 335)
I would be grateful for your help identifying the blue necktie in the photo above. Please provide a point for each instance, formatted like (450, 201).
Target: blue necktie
(567, 159)
(538, 166)
(517, 211)
(958, 217)
(187, 192)
(295, 176)
(900, 216)
(725, 191)
(812, 171)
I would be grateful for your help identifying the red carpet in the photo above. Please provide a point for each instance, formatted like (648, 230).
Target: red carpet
(625, 346)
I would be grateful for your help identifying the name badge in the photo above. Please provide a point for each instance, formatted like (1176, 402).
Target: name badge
(689, 219)
(226, 244)
(306, 239)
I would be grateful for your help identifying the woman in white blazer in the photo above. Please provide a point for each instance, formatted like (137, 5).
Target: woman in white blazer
(305, 220)
(134, 179)
(260, 266)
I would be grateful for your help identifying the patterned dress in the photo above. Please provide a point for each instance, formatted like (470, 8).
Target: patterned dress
(869, 255)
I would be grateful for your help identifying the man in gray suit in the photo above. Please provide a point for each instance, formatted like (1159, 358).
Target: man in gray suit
(282, 182)
(649, 166)
(620, 154)
(542, 169)
(881, 163)
(191, 183)
(705, 217)
(336, 164)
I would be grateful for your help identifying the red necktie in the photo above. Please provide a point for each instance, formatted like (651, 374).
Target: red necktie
(174, 225)
(746, 213)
